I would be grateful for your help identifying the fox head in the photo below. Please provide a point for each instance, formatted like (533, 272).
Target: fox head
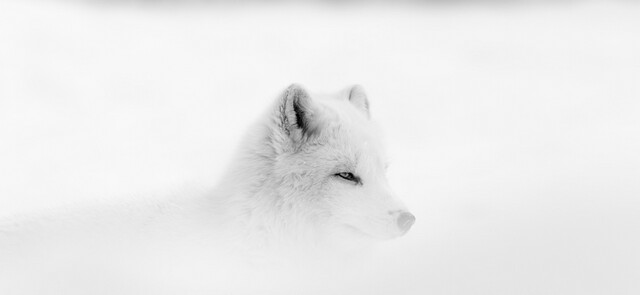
(329, 165)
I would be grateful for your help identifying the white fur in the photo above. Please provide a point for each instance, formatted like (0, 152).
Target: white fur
(279, 195)
(279, 189)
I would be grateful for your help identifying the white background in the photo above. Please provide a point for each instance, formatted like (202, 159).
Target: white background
(514, 130)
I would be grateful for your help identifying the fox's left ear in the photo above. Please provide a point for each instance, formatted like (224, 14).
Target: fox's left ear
(358, 97)
(296, 114)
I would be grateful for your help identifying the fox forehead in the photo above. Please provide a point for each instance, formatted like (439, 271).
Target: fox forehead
(350, 138)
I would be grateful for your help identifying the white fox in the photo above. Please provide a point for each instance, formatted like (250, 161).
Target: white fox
(314, 169)
(311, 172)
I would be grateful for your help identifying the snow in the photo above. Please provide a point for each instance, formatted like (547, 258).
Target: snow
(514, 130)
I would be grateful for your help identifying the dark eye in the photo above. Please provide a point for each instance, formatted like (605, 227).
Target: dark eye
(348, 176)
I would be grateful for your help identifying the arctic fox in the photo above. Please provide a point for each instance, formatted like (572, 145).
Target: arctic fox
(314, 169)
(311, 171)
(309, 178)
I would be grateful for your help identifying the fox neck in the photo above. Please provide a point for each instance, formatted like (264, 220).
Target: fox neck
(249, 189)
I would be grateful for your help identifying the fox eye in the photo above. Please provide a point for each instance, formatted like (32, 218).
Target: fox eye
(348, 176)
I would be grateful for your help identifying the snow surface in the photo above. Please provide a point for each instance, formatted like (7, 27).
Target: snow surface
(514, 130)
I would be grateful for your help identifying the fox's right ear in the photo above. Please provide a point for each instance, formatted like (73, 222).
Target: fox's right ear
(296, 113)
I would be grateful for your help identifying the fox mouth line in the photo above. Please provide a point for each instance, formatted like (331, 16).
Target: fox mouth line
(358, 231)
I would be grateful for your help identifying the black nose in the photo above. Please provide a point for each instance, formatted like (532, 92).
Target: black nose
(405, 221)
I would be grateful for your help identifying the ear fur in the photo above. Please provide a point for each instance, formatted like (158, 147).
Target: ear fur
(358, 98)
(296, 114)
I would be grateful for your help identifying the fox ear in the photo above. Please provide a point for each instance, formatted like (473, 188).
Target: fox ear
(358, 97)
(296, 113)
